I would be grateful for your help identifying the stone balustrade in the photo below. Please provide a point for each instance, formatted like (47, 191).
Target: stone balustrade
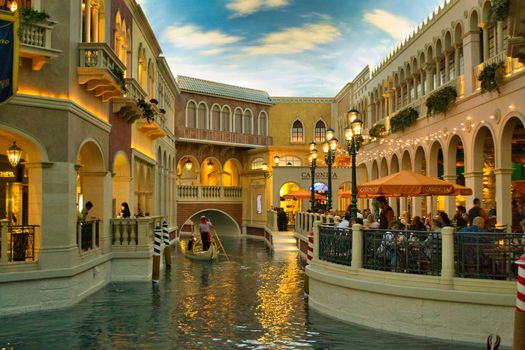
(133, 233)
(206, 193)
(227, 136)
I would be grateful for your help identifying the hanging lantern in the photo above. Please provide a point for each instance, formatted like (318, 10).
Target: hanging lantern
(14, 154)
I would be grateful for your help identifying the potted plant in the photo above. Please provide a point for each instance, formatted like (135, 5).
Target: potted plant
(403, 119)
(499, 10)
(377, 131)
(28, 15)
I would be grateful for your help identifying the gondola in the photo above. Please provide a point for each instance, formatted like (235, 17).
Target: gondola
(207, 255)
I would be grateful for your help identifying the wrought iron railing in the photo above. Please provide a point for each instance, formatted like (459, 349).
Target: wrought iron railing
(335, 244)
(415, 252)
(21, 243)
(488, 254)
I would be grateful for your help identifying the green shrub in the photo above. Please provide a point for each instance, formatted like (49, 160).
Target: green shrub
(403, 119)
(441, 100)
(491, 77)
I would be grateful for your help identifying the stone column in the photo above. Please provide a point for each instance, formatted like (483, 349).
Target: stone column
(316, 240)
(414, 81)
(94, 37)
(448, 270)
(474, 180)
(438, 73)
(499, 36)
(391, 105)
(450, 201)
(485, 41)
(471, 59)
(409, 88)
(428, 79)
(416, 206)
(402, 88)
(447, 67)
(503, 197)
(87, 22)
(357, 247)
(423, 83)
(457, 50)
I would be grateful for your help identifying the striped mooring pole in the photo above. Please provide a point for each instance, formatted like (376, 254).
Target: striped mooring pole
(167, 247)
(519, 314)
(309, 257)
(156, 254)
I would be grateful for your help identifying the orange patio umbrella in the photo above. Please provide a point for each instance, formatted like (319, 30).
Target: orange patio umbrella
(405, 183)
(346, 194)
(462, 190)
(303, 194)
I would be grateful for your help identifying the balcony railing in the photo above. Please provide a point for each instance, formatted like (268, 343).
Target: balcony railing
(35, 42)
(126, 106)
(88, 235)
(98, 70)
(227, 136)
(511, 66)
(133, 233)
(17, 243)
(196, 193)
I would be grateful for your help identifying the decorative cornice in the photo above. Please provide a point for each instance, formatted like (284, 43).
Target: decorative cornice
(302, 99)
(60, 104)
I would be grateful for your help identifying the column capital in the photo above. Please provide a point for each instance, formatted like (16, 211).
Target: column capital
(38, 164)
(473, 174)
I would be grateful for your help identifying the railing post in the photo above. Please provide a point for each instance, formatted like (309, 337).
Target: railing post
(275, 226)
(93, 234)
(316, 240)
(357, 247)
(4, 226)
(79, 236)
(448, 270)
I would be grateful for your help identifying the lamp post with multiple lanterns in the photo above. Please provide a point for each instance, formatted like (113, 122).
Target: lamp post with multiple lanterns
(329, 147)
(353, 141)
(313, 161)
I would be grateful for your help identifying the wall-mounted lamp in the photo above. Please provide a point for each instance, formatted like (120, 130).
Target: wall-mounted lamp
(276, 160)
(188, 165)
(265, 169)
(14, 154)
(209, 165)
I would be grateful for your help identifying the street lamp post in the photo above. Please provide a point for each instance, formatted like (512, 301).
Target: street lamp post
(313, 161)
(329, 148)
(353, 141)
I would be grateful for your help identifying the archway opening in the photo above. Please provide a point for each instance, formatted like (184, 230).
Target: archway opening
(290, 205)
(120, 182)
(223, 223)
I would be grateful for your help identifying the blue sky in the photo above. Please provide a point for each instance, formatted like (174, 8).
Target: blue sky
(286, 47)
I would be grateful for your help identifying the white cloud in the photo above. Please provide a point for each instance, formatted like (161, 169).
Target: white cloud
(213, 52)
(247, 7)
(192, 37)
(295, 40)
(397, 27)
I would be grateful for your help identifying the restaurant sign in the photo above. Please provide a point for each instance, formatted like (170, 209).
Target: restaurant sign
(320, 175)
(8, 55)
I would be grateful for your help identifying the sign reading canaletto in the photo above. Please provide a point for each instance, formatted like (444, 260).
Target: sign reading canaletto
(320, 175)
(8, 55)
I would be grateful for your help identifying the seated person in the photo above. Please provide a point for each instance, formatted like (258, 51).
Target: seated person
(191, 243)
(478, 224)
(346, 221)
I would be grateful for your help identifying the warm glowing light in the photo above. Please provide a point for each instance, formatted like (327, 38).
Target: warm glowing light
(209, 165)
(188, 165)
(14, 154)
(14, 6)
(264, 166)
(329, 134)
(276, 160)
(512, 106)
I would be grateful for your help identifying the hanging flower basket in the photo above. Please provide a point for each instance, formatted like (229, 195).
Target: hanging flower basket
(491, 77)
(147, 110)
(377, 131)
(403, 119)
(441, 100)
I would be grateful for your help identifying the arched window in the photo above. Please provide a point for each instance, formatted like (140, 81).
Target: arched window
(225, 118)
(263, 122)
(297, 132)
(191, 115)
(93, 21)
(202, 116)
(142, 67)
(151, 80)
(215, 118)
(257, 163)
(247, 122)
(320, 130)
(237, 122)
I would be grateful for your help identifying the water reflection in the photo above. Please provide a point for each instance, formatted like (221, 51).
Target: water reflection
(254, 301)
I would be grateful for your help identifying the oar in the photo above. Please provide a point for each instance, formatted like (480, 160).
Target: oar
(220, 244)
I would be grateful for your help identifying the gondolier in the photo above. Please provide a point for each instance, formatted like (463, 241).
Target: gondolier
(205, 231)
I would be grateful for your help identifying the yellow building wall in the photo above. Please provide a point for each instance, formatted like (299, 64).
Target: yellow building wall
(282, 115)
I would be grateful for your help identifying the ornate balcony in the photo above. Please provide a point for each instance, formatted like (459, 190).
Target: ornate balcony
(100, 71)
(126, 106)
(154, 129)
(35, 43)
(226, 136)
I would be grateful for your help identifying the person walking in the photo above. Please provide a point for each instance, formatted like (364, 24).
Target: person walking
(205, 231)
(476, 211)
(386, 216)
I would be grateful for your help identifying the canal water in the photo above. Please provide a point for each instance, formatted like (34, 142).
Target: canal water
(253, 301)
